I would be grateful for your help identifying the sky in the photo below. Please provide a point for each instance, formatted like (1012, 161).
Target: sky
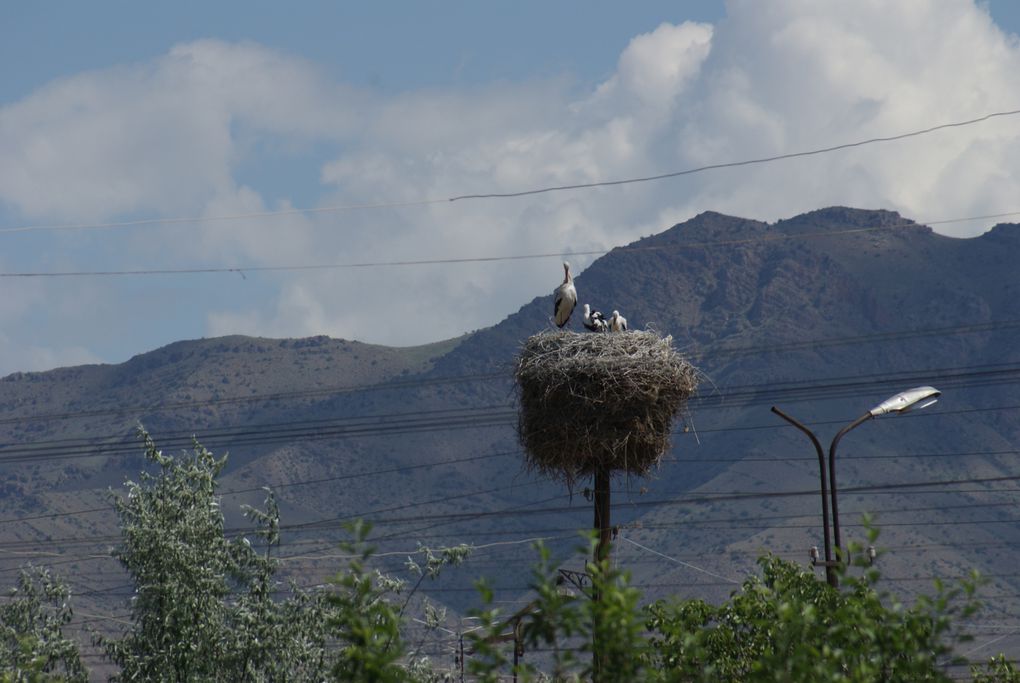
(272, 139)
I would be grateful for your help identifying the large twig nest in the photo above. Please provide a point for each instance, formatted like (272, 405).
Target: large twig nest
(599, 399)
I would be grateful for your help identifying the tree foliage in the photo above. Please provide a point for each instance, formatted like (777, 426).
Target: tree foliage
(203, 606)
(31, 631)
(582, 637)
(206, 607)
(786, 625)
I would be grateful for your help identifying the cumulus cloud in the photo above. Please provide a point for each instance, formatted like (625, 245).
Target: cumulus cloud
(160, 138)
(812, 75)
(36, 326)
(175, 137)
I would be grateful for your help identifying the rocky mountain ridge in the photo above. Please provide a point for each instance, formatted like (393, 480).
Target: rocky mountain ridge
(825, 314)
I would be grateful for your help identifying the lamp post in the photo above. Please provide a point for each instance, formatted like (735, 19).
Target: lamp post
(911, 399)
(830, 564)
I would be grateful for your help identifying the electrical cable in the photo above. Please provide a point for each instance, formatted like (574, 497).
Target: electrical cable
(521, 193)
(712, 352)
(493, 415)
(517, 511)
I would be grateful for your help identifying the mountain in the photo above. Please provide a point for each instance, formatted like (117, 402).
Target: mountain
(824, 314)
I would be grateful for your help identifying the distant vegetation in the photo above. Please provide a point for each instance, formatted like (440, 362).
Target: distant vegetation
(205, 608)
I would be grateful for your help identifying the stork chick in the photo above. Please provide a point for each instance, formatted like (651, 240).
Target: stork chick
(594, 320)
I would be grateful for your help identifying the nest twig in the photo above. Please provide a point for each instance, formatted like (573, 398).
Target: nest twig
(589, 400)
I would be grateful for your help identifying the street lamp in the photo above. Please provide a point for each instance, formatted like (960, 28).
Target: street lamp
(911, 399)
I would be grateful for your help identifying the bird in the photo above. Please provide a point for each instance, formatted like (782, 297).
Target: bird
(565, 298)
(617, 323)
(594, 320)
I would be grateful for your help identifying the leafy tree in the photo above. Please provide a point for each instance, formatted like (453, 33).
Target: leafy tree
(203, 606)
(997, 670)
(33, 646)
(788, 626)
(269, 639)
(366, 621)
(785, 625)
(561, 622)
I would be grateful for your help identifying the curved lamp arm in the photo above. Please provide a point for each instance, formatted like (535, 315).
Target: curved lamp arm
(830, 576)
(911, 399)
(832, 477)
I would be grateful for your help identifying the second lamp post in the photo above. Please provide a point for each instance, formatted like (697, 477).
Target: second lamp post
(918, 397)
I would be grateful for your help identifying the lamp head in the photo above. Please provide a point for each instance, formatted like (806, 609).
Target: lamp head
(911, 399)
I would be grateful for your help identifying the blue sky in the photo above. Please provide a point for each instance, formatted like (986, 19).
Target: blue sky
(389, 45)
(121, 111)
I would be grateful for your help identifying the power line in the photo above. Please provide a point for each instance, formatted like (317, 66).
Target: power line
(391, 424)
(733, 164)
(710, 352)
(460, 420)
(517, 510)
(520, 193)
(760, 239)
(265, 397)
(289, 484)
(445, 261)
(831, 387)
(453, 461)
(676, 561)
(690, 522)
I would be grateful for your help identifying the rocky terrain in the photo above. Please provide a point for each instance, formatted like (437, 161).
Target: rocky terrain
(825, 315)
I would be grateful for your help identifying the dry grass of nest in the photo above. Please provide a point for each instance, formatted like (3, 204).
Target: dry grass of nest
(590, 399)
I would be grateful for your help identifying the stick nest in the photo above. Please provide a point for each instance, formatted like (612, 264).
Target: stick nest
(590, 400)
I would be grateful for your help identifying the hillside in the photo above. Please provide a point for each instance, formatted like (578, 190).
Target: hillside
(824, 314)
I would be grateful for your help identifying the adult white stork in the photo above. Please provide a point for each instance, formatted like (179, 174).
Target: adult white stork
(564, 298)
(594, 320)
(617, 323)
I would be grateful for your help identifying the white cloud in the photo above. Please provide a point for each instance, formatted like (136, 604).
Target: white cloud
(656, 67)
(159, 138)
(36, 326)
(799, 75)
(33, 358)
(172, 136)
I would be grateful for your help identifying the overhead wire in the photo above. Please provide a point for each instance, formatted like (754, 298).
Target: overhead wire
(734, 164)
(494, 415)
(520, 193)
(241, 270)
(712, 352)
(521, 510)
(461, 517)
(689, 499)
(566, 533)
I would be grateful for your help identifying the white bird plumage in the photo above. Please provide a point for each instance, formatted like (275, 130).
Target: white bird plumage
(594, 320)
(617, 323)
(564, 298)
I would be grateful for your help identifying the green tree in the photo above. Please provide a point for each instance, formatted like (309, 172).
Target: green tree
(560, 623)
(366, 620)
(31, 622)
(996, 670)
(203, 607)
(788, 626)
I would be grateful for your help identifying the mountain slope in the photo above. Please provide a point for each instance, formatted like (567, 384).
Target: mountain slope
(824, 314)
